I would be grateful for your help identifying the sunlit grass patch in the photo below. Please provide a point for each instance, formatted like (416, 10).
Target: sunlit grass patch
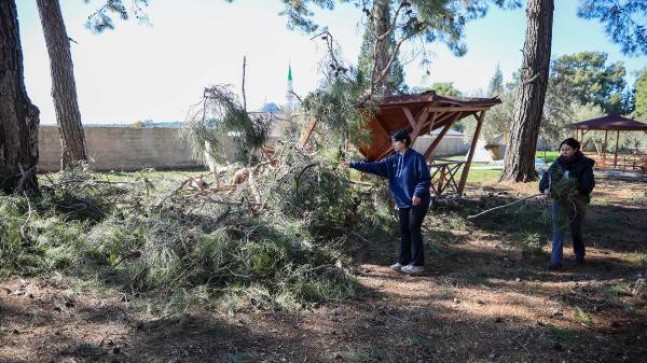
(547, 156)
(583, 316)
(638, 259)
(600, 201)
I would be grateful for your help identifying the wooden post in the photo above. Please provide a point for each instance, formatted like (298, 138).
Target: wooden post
(615, 159)
(466, 167)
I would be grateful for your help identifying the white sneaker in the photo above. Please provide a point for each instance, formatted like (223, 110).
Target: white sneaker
(396, 267)
(412, 270)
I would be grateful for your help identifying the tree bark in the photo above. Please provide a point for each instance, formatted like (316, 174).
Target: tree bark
(519, 163)
(380, 23)
(68, 116)
(18, 116)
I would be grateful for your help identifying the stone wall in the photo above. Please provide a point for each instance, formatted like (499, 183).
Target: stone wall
(121, 148)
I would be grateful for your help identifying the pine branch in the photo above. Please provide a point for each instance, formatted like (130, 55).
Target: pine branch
(504, 206)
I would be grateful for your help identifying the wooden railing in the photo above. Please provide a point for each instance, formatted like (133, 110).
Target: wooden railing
(443, 177)
(634, 161)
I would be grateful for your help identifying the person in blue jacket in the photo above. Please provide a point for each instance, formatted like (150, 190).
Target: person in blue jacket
(569, 182)
(409, 180)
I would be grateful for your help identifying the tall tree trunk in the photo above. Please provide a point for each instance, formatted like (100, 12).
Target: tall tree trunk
(519, 163)
(18, 117)
(68, 116)
(380, 25)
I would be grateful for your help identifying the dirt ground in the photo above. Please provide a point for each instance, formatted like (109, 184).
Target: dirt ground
(480, 299)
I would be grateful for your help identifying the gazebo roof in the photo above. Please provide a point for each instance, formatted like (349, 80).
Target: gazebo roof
(610, 122)
(419, 114)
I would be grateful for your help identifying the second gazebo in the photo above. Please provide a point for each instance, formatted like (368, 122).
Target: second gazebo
(608, 123)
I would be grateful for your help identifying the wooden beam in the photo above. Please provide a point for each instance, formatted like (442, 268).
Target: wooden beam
(457, 109)
(418, 127)
(409, 116)
(442, 133)
(381, 126)
(466, 167)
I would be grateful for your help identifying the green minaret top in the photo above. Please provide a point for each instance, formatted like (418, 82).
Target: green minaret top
(290, 73)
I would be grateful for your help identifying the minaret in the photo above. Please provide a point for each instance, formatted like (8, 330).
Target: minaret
(290, 94)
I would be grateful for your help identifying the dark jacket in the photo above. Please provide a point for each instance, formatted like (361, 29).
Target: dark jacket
(408, 175)
(579, 167)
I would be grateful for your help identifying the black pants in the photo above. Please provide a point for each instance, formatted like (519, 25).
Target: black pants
(411, 247)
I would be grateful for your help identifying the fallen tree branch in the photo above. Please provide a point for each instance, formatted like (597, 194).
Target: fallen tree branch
(504, 206)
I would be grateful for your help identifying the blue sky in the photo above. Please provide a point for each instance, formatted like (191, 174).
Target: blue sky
(157, 71)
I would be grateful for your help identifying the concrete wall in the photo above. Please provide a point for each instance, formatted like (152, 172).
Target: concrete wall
(128, 149)
(121, 148)
(449, 145)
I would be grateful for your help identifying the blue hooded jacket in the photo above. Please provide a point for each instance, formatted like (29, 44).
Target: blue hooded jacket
(408, 175)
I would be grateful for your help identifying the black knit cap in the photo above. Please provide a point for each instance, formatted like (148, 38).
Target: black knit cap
(401, 135)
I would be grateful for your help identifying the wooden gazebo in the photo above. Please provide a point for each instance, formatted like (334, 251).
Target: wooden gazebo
(420, 114)
(608, 123)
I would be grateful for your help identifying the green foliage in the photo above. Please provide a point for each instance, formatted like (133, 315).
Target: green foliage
(638, 259)
(640, 92)
(624, 22)
(497, 120)
(160, 239)
(445, 89)
(394, 82)
(222, 123)
(548, 156)
(339, 109)
(586, 78)
(532, 243)
(496, 85)
(432, 20)
(15, 254)
(583, 316)
(563, 190)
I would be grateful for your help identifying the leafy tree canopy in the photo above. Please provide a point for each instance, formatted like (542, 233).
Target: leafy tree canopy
(445, 89)
(640, 92)
(587, 78)
(624, 22)
(433, 20)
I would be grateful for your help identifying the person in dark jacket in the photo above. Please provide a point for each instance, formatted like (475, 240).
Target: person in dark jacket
(409, 181)
(569, 182)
